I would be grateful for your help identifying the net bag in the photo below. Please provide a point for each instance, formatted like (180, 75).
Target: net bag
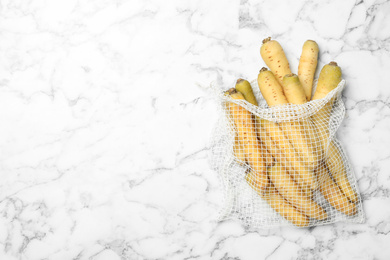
(282, 165)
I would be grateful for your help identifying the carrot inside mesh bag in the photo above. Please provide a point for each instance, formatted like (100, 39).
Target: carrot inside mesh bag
(275, 146)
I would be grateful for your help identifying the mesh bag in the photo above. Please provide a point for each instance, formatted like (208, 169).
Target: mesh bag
(283, 165)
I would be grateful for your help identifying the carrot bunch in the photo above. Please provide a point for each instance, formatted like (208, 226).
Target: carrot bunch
(291, 160)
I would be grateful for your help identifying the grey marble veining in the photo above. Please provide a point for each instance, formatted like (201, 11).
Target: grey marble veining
(106, 119)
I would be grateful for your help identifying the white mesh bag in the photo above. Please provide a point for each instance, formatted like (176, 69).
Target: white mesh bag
(283, 165)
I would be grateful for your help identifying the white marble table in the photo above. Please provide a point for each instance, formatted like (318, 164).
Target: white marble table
(106, 120)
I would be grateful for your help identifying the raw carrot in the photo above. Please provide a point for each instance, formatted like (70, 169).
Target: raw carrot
(289, 154)
(291, 163)
(337, 169)
(247, 136)
(273, 93)
(275, 58)
(238, 150)
(278, 203)
(269, 159)
(330, 77)
(333, 194)
(299, 140)
(245, 88)
(286, 186)
(293, 89)
(307, 66)
(302, 140)
(270, 88)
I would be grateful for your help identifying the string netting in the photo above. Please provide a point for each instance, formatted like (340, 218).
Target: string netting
(283, 165)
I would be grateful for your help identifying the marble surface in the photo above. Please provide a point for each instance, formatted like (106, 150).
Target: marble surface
(106, 119)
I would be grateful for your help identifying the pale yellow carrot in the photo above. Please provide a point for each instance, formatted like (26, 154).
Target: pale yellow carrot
(247, 136)
(307, 66)
(293, 89)
(238, 150)
(287, 187)
(275, 58)
(270, 88)
(289, 163)
(338, 171)
(278, 203)
(330, 77)
(299, 140)
(273, 93)
(302, 140)
(333, 194)
(245, 88)
(290, 155)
